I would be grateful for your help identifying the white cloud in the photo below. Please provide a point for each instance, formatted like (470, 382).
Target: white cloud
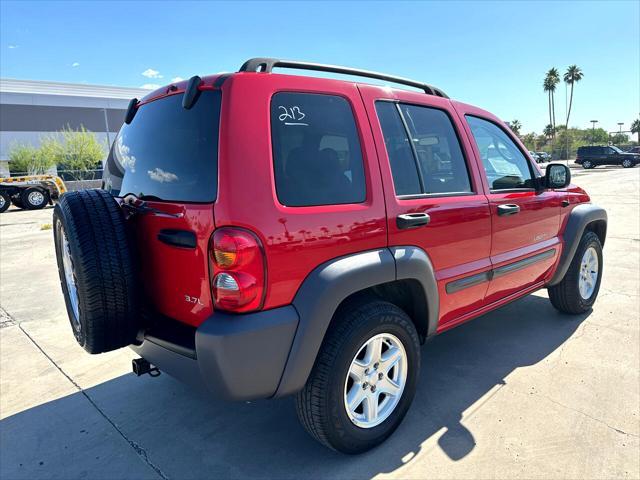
(75, 64)
(150, 86)
(151, 73)
(161, 176)
(12, 46)
(176, 79)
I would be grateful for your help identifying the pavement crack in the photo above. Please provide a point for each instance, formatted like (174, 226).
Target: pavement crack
(140, 451)
(575, 410)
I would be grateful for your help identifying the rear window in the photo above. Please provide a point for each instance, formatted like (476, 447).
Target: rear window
(168, 152)
(316, 150)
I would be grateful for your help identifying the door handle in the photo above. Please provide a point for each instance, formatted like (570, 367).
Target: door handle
(565, 203)
(412, 220)
(508, 209)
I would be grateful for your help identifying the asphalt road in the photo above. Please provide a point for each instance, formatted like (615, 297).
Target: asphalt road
(522, 392)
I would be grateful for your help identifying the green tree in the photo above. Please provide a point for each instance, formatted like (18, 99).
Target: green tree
(571, 77)
(548, 131)
(515, 126)
(27, 159)
(76, 151)
(550, 83)
(635, 128)
(619, 138)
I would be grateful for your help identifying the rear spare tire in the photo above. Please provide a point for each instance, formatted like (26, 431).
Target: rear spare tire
(96, 270)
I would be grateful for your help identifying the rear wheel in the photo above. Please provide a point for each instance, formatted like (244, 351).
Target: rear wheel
(5, 201)
(587, 164)
(578, 290)
(17, 201)
(364, 378)
(34, 198)
(96, 270)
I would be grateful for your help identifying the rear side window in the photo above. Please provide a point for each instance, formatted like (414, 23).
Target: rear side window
(316, 150)
(168, 152)
(423, 150)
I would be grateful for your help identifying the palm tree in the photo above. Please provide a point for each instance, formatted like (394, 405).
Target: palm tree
(571, 76)
(547, 86)
(515, 127)
(550, 82)
(548, 131)
(635, 128)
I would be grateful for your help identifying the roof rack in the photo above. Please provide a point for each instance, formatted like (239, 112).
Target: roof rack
(268, 64)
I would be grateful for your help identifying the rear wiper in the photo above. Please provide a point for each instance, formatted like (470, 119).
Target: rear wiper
(133, 204)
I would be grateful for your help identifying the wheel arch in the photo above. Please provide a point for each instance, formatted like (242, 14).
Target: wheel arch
(401, 275)
(584, 217)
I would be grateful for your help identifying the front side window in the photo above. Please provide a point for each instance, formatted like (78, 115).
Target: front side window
(504, 164)
(316, 150)
(423, 150)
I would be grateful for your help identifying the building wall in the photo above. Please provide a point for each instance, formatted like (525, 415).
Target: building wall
(31, 110)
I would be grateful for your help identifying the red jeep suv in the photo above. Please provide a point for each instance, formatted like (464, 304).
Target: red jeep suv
(267, 234)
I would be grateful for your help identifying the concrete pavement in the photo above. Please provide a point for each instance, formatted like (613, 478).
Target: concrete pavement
(522, 392)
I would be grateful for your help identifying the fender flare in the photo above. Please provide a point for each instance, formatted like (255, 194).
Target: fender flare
(329, 284)
(581, 216)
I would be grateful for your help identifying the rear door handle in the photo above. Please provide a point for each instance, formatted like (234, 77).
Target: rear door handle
(508, 209)
(412, 220)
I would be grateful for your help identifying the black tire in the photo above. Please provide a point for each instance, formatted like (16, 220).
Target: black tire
(94, 227)
(320, 405)
(626, 163)
(17, 201)
(33, 198)
(5, 201)
(587, 164)
(565, 296)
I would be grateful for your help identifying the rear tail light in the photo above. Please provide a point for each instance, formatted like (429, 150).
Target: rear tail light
(237, 269)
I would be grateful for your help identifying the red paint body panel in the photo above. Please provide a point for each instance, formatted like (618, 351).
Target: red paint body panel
(170, 274)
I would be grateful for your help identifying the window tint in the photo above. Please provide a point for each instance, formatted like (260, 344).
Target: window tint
(168, 152)
(425, 156)
(504, 164)
(316, 150)
(403, 165)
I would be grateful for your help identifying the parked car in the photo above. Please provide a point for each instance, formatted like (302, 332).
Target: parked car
(267, 235)
(592, 156)
(544, 156)
(536, 156)
(635, 149)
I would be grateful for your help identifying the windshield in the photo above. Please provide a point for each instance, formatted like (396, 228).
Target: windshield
(615, 149)
(168, 152)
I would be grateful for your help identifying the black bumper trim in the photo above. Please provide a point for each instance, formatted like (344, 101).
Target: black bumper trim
(237, 357)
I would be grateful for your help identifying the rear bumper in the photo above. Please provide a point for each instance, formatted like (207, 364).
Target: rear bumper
(237, 357)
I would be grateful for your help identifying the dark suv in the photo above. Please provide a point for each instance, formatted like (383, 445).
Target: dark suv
(591, 157)
(267, 235)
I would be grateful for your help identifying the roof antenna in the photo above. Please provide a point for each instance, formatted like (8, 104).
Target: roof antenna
(131, 111)
(191, 93)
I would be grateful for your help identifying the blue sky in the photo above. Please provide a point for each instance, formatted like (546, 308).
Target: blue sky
(491, 54)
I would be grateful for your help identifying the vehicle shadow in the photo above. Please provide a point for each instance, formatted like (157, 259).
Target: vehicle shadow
(186, 434)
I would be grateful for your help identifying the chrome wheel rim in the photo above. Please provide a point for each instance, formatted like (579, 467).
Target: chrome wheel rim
(2, 202)
(70, 279)
(588, 273)
(36, 198)
(626, 163)
(375, 380)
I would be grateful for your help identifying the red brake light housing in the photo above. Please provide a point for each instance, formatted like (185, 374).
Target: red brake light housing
(237, 270)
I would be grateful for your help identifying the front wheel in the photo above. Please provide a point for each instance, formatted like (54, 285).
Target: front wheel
(626, 163)
(578, 290)
(364, 378)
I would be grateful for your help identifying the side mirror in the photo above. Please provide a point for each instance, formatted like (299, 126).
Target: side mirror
(557, 176)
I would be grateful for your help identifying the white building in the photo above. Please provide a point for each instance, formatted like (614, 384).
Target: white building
(31, 109)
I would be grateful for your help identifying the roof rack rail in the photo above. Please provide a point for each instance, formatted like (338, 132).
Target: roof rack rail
(268, 64)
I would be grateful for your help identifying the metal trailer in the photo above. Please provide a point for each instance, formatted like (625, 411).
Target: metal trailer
(30, 192)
